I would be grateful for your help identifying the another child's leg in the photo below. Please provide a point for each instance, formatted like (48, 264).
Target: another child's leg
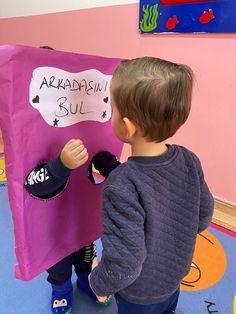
(84, 262)
(83, 267)
(59, 276)
(166, 307)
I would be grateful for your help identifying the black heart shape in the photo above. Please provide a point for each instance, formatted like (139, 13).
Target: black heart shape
(35, 99)
(105, 100)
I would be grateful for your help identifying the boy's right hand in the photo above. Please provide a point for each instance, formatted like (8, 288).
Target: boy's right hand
(74, 154)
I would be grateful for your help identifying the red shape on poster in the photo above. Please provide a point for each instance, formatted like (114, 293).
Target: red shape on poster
(172, 22)
(206, 17)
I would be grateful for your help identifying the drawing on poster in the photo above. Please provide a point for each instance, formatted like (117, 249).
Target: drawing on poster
(187, 16)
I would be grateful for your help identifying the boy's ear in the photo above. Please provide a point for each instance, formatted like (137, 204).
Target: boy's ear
(130, 127)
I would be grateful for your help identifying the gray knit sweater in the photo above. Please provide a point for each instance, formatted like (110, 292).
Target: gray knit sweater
(153, 209)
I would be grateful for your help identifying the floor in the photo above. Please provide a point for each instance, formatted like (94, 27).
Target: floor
(225, 215)
(210, 286)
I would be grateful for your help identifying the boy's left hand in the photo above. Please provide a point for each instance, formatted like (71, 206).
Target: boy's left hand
(101, 299)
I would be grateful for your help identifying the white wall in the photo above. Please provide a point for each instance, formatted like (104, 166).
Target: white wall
(14, 8)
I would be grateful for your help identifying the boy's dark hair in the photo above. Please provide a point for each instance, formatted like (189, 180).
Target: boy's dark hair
(154, 93)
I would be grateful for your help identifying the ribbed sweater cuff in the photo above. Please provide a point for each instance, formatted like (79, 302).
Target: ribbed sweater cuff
(93, 283)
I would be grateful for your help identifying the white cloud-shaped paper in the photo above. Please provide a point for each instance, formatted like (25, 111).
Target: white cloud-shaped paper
(64, 98)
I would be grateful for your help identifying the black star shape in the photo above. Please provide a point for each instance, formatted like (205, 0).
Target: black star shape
(55, 122)
(104, 114)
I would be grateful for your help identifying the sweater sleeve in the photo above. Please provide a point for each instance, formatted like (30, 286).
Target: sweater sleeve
(123, 241)
(47, 180)
(206, 200)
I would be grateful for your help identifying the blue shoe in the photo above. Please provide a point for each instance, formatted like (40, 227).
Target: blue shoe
(83, 284)
(62, 295)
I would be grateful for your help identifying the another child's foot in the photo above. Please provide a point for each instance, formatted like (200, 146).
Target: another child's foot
(62, 295)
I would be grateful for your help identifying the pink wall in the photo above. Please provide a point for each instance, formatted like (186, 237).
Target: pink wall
(113, 31)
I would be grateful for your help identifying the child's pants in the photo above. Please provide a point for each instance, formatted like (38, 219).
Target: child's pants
(82, 261)
(166, 307)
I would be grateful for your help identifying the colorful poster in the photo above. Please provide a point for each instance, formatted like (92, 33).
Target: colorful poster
(187, 16)
(47, 98)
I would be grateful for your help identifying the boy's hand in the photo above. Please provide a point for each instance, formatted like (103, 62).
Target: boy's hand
(74, 154)
(95, 264)
(101, 299)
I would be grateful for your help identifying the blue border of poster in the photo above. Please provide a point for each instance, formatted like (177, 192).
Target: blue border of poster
(201, 16)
